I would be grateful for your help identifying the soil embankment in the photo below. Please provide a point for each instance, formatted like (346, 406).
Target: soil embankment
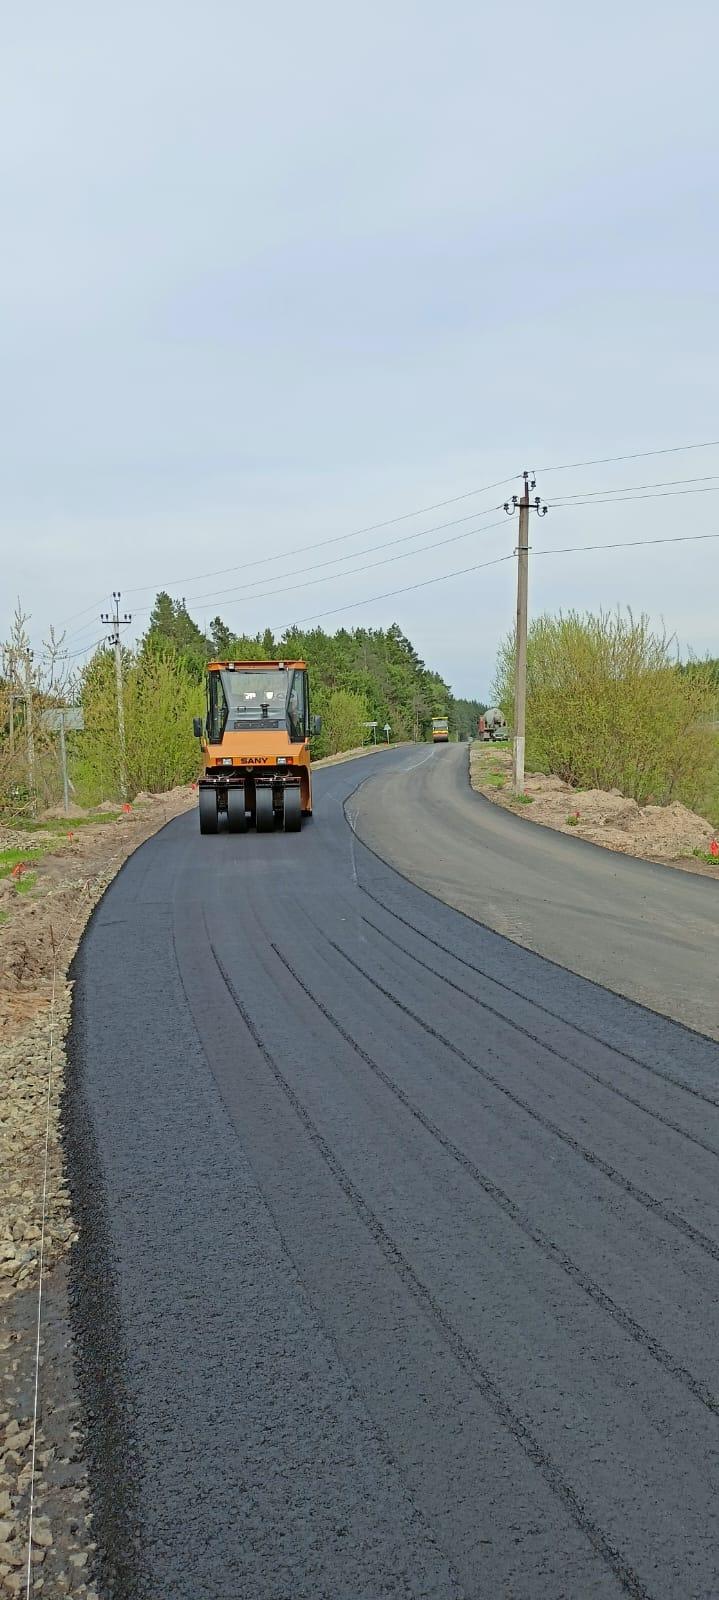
(670, 834)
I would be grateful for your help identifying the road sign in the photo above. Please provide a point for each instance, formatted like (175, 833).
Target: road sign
(387, 728)
(58, 719)
(63, 718)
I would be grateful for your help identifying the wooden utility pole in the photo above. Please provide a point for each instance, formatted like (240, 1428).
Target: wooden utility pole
(116, 622)
(524, 505)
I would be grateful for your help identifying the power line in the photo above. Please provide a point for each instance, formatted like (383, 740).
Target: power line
(565, 466)
(300, 549)
(337, 538)
(82, 613)
(632, 488)
(625, 544)
(69, 655)
(621, 544)
(634, 455)
(366, 567)
(425, 584)
(629, 499)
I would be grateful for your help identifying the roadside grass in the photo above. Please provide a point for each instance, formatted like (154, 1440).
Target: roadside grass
(706, 855)
(26, 883)
(61, 824)
(12, 858)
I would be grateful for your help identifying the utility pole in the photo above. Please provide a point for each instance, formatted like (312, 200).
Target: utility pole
(524, 505)
(116, 622)
(29, 730)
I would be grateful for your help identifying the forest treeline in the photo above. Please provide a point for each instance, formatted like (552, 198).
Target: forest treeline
(357, 676)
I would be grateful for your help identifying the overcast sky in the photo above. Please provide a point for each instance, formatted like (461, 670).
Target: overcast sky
(271, 274)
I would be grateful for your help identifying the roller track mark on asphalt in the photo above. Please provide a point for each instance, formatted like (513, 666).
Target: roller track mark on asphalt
(656, 1072)
(648, 1201)
(586, 1072)
(628, 1579)
(553, 1252)
(388, 1454)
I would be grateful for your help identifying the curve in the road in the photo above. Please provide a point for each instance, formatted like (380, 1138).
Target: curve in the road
(399, 1247)
(644, 930)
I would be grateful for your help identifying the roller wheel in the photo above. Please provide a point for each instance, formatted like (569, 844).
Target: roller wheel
(264, 810)
(293, 810)
(208, 811)
(236, 814)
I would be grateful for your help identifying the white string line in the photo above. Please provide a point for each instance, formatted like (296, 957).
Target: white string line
(90, 884)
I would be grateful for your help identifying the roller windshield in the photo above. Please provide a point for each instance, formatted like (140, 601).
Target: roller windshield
(270, 698)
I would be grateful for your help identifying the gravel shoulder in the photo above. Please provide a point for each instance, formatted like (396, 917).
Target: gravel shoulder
(45, 907)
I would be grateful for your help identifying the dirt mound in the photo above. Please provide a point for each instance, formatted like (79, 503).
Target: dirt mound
(19, 964)
(606, 817)
(58, 813)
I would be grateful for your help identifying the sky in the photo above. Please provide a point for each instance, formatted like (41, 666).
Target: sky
(273, 275)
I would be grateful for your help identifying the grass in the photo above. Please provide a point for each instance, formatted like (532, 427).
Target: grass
(12, 858)
(25, 884)
(61, 824)
(524, 799)
(705, 855)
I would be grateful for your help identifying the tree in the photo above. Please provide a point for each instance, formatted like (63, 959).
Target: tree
(608, 709)
(221, 639)
(466, 714)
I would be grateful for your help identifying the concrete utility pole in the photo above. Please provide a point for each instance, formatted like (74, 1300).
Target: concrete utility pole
(29, 730)
(116, 622)
(520, 659)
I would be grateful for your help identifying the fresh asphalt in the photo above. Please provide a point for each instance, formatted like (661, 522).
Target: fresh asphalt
(399, 1245)
(645, 930)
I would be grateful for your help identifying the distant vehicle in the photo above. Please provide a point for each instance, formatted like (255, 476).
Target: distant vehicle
(440, 730)
(492, 725)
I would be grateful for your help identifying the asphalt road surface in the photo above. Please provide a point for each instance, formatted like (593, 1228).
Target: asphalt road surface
(399, 1248)
(644, 930)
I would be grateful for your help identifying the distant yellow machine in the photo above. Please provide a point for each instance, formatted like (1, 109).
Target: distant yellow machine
(255, 740)
(440, 730)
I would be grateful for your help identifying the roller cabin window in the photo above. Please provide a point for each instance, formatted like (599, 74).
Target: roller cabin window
(257, 702)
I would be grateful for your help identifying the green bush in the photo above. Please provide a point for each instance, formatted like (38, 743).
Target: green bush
(343, 721)
(162, 693)
(608, 708)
